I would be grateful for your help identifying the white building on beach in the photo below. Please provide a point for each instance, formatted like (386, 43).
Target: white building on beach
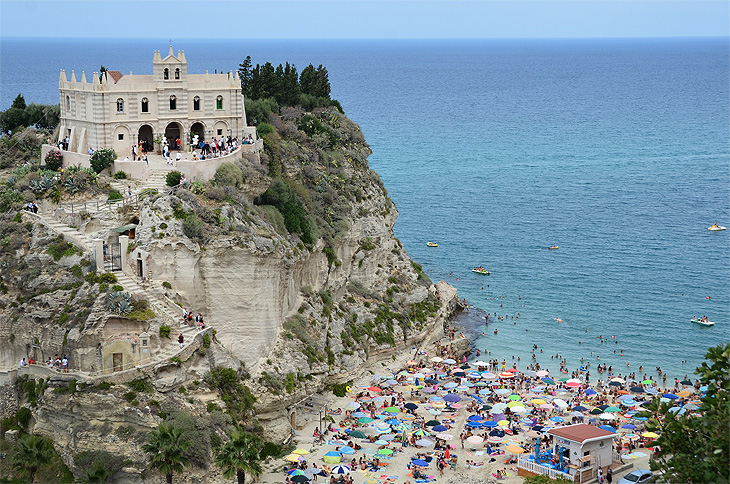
(118, 111)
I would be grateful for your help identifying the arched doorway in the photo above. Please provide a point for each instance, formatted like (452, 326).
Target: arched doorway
(173, 131)
(198, 129)
(121, 143)
(145, 135)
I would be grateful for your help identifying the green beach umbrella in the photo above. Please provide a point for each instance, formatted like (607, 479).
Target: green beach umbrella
(514, 404)
(612, 409)
(358, 435)
(432, 423)
(564, 379)
(647, 382)
(364, 420)
(392, 409)
(385, 451)
(514, 397)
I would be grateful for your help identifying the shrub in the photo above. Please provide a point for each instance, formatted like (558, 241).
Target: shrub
(264, 128)
(173, 178)
(102, 159)
(165, 331)
(23, 417)
(259, 111)
(114, 195)
(54, 160)
(120, 175)
(117, 287)
(60, 248)
(166, 285)
(193, 228)
(281, 196)
(228, 174)
(340, 389)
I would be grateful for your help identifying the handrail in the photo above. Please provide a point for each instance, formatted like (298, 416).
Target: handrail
(108, 204)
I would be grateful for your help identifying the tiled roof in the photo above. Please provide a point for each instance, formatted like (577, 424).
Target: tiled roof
(116, 75)
(580, 432)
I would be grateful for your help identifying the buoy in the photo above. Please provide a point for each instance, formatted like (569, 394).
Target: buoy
(348, 389)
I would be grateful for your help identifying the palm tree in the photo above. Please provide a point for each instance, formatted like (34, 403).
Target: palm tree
(240, 455)
(33, 453)
(166, 446)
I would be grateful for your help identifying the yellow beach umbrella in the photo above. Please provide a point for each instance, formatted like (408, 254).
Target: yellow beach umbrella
(503, 423)
(683, 393)
(515, 404)
(538, 401)
(293, 457)
(650, 435)
(300, 451)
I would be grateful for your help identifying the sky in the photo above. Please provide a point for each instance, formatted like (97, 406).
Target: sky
(396, 19)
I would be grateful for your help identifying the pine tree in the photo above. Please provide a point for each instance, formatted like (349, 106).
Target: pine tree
(322, 88)
(246, 76)
(308, 80)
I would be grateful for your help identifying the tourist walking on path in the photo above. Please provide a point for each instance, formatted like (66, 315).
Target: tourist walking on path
(181, 340)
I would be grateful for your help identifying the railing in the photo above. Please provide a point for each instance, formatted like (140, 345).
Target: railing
(536, 468)
(98, 206)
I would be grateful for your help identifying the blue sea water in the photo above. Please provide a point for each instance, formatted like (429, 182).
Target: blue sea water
(615, 150)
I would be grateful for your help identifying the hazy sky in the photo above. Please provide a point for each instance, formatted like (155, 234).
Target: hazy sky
(364, 19)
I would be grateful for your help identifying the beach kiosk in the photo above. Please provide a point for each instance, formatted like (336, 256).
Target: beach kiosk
(583, 448)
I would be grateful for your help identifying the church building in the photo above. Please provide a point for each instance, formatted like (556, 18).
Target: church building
(116, 111)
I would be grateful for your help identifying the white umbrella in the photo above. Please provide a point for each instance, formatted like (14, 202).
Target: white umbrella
(475, 439)
(561, 403)
(444, 436)
(436, 359)
(607, 416)
(480, 363)
(519, 409)
(424, 443)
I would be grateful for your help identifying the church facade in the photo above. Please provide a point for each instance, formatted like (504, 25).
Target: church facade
(118, 111)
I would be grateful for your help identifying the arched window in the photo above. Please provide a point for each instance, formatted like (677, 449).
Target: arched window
(173, 103)
(120, 105)
(166, 73)
(145, 105)
(219, 102)
(196, 103)
(68, 103)
(177, 73)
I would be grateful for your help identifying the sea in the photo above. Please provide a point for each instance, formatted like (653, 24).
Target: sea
(614, 150)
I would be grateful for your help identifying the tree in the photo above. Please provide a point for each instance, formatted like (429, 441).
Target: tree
(102, 159)
(695, 447)
(322, 85)
(165, 447)
(239, 456)
(19, 102)
(308, 80)
(246, 76)
(33, 453)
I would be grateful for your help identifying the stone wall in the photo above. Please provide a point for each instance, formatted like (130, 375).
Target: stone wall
(8, 401)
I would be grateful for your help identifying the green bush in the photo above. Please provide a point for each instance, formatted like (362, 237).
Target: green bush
(281, 196)
(173, 178)
(258, 111)
(103, 287)
(102, 159)
(264, 128)
(193, 228)
(117, 287)
(340, 389)
(22, 416)
(60, 248)
(108, 277)
(228, 174)
(141, 385)
(114, 195)
(165, 331)
(166, 285)
(120, 175)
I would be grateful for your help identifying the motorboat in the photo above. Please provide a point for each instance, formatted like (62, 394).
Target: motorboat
(552, 247)
(432, 244)
(716, 228)
(704, 321)
(481, 270)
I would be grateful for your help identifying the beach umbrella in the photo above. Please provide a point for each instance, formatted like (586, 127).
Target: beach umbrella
(434, 411)
(295, 472)
(379, 399)
(607, 416)
(451, 397)
(490, 424)
(474, 425)
(512, 370)
(419, 462)
(421, 433)
(375, 389)
(385, 451)
(411, 406)
(559, 402)
(485, 391)
(532, 434)
(448, 361)
(428, 390)
(381, 442)
(340, 470)
(513, 397)
(365, 420)
(580, 408)
(629, 426)
(542, 373)
(432, 423)
(564, 379)
(346, 450)
(590, 391)
(440, 428)
(391, 382)
(494, 439)
(557, 419)
(451, 385)
(683, 394)
(691, 406)
(424, 443)
(506, 375)
(628, 402)
(612, 409)
(438, 404)
(686, 382)
(444, 436)
(502, 391)
(475, 417)
(352, 406)
(392, 409)
(670, 396)
(514, 404)
(615, 383)
(678, 410)
(637, 389)
(572, 384)
(647, 382)
(332, 457)
(360, 414)
(475, 439)
(488, 375)
(519, 409)
(547, 406)
(300, 478)
(596, 411)
(538, 401)
(503, 423)
(408, 417)
(294, 457)
(436, 359)
(650, 435)
(607, 428)
(515, 449)
(300, 452)
(392, 421)
(356, 434)
(480, 363)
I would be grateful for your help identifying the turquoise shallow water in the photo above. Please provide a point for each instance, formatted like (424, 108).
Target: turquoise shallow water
(614, 150)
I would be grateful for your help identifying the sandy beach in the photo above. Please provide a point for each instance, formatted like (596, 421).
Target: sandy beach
(477, 412)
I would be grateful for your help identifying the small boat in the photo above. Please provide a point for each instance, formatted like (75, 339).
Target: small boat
(552, 247)
(703, 321)
(558, 320)
(716, 228)
(432, 244)
(481, 270)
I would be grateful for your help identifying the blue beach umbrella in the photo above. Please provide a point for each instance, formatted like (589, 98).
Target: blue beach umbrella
(346, 450)
(419, 462)
(671, 396)
(475, 418)
(607, 428)
(440, 428)
(490, 424)
(452, 398)
(590, 391)
(474, 425)
(557, 419)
